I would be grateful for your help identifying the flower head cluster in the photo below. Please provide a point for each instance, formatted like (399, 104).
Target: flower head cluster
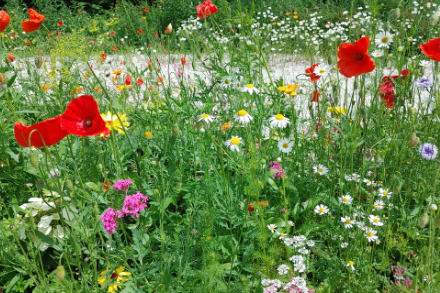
(133, 204)
(276, 166)
(109, 220)
(122, 185)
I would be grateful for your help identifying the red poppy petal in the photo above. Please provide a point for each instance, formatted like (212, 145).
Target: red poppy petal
(4, 20)
(47, 132)
(82, 117)
(30, 25)
(35, 15)
(431, 49)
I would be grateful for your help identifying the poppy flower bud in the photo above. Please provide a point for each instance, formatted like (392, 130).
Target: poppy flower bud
(39, 185)
(396, 13)
(433, 207)
(39, 61)
(146, 96)
(169, 29)
(250, 208)
(175, 130)
(411, 110)
(424, 219)
(34, 160)
(413, 142)
(68, 185)
(60, 273)
(398, 187)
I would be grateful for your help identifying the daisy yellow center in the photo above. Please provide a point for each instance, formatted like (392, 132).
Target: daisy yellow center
(242, 113)
(321, 71)
(369, 234)
(384, 40)
(249, 85)
(227, 81)
(204, 116)
(385, 192)
(281, 234)
(345, 199)
(368, 181)
(279, 117)
(379, 204)
(285, 145)
(376, 220)
(321, 210)
(320, 170)
(351, 263)
(235, 141)
(271, 228)
(348, 221)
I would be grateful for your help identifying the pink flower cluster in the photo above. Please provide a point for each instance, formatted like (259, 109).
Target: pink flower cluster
(133, 204)
(122, 185)
(276, 166)
(110, 223)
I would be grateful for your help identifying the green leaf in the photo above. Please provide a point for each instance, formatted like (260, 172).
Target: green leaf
(5, 176)
(93, 186)
(13, 282)
(48, 240)
(11, 81)
(272, 183)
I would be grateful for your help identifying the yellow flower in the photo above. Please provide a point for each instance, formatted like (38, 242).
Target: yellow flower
(98, 89)
(112, 121)
(290, 88)
(148, 134)
(117, 72)
(120, 88)
(115, 278)
(45, 87)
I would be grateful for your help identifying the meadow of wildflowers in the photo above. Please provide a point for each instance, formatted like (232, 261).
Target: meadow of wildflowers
(253, 149)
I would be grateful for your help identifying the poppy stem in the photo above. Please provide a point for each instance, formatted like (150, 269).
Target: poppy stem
(10, 105)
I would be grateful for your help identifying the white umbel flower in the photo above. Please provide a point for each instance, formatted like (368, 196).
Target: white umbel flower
(243, 117)
(279, 121)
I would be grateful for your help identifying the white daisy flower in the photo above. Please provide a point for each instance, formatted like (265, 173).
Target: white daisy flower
(320, 169)
(234, 143)
(250, 88)
(384, 39)
(378, 205)
(368, 182)
(226, 81)
(384, 192)
(371, 235)
(282, 235)
(348, 223)
(272, 227)
(346, 199)
(321, 209)
(425, 63)
(321, 70)
(350, 264)
(206, 117)
(377, 53)
(279, 121)
(344, 244)
(243, 117)
(285, 145)
(375, 220)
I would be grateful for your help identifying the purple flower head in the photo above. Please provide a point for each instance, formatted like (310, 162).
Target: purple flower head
(425, 82)
(276, 166)
(122, 185)
(109, 220)
(398, 272)
(133, 204)
(428, 151)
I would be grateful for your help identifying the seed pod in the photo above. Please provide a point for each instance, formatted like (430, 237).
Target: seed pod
(69, 185)
(34, 160)
(60, 273)
(411, 110)
(146, 96)
(179, 187)
(396, 13)
(169, 29)
(424, 219)
(39, 61)
(175, 130)
(413, 142)
(39, 185)
(437, 222)
(433, 207)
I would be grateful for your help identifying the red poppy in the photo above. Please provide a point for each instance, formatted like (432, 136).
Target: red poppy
(309, 71)
(47, 132)
(148, 64)
(115, 48)
(103, 57)
(386, 90)
(316, 98)
(405, 73)
(2, 78)
(4, 20)
(127, 80)
(139, 81)
(34, 23)
(60, 23)
(28, 43)
(150, 87)
(205, 9)
(11, 58)
(12, 35)
(250, 208)
(112, 33)
(139, 31)
(431, 49)
(92, 42)
(354, 59)
(147, 10)
(79, 11)
(106, 184)
(183, 60)
(82, 117)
